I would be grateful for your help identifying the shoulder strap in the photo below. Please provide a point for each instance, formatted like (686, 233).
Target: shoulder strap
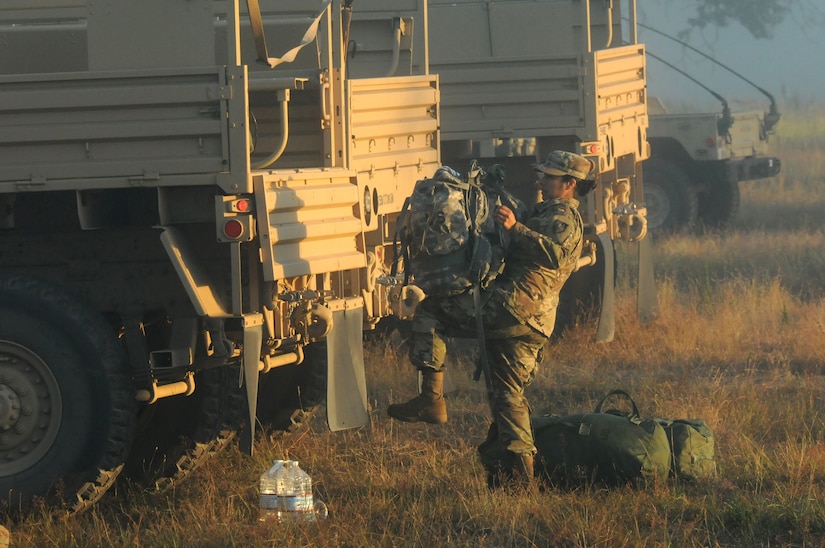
(483, 364)
(404, 246)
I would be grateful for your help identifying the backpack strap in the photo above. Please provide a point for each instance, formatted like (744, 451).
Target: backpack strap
(475, 204)
(472, 204)
(402, 245)
(479, 247)
(483, 363)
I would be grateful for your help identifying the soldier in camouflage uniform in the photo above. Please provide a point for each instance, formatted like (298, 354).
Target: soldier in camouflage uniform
(518, 312)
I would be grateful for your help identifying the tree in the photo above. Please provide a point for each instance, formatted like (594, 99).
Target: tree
(759, 17)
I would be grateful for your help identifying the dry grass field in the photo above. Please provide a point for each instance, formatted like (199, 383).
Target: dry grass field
(740, 342)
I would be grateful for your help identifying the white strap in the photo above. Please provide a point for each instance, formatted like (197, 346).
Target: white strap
(260, 39)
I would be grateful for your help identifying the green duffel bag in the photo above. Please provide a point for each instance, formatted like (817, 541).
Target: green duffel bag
(610, 447)
(692, 448)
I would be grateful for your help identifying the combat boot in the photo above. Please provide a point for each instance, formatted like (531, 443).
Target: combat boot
(515, 474)
(429, 406)
(523, 471)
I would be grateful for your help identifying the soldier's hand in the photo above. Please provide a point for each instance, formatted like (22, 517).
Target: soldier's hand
(504, 216)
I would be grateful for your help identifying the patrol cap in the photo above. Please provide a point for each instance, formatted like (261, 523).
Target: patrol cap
(561, 162)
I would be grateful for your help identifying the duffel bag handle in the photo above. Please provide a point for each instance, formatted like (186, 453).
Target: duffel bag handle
(617, 393)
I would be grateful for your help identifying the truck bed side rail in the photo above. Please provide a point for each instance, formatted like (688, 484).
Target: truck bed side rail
(393, 136)
(518, 98)
(619, 83)
(115, 129)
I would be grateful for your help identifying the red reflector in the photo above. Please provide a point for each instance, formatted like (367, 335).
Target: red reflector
(233, 228)
(242, 205)
(710, 142)
(592, 149)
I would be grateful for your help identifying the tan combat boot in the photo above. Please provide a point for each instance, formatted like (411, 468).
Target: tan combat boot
(429, 406)
(523, 479)
(523, 470)
(515, 475)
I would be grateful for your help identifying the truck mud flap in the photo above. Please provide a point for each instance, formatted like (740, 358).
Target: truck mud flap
(647, 302)
(346, 382)
(252, 339)
(607, 316)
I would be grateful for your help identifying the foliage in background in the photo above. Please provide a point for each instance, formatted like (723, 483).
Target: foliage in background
(759, 17)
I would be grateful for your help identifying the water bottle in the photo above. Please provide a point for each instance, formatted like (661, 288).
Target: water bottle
(286, 495)
(271, 487)
(295, 502)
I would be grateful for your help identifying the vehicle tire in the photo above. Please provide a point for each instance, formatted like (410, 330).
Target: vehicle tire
(290, 395)
(670, 199)
(580, 299)
(719, 206)
(67, 406)
(179, 434)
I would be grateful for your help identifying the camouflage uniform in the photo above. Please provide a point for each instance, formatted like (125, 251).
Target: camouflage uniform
(518, 312)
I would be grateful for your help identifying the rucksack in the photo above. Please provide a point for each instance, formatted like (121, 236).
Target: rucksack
(445, 236)
(692, 448)
(604, 447)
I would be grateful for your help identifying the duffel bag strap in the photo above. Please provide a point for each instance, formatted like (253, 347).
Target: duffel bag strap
(617, 392)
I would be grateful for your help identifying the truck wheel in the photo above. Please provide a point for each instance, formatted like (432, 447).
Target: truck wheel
(580, 299)
(67, 407)
(290, 395)
(671, 200)
(180, 433)
(719, 206)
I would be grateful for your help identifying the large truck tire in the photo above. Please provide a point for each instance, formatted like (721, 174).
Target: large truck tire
(670, 198)
(581, 297)
(67, 405)
(720, 205)
(289, 396)
(179, 434)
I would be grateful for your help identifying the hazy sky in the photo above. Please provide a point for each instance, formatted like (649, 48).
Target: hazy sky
(791, 65)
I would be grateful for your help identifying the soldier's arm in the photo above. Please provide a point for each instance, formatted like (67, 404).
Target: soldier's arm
(552, 243)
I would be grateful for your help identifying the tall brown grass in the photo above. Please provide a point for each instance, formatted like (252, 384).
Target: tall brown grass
(739, 342)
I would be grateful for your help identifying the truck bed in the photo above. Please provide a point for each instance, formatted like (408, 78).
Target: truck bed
(515, 82)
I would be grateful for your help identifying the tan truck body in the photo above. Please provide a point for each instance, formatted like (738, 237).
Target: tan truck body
(208, 179)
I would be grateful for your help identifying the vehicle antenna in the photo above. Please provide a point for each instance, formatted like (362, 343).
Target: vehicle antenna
(771, 117)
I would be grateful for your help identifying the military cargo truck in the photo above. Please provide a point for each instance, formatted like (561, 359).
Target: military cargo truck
(697, 162)
(520, 78)
(194, 197)
(698, 159)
